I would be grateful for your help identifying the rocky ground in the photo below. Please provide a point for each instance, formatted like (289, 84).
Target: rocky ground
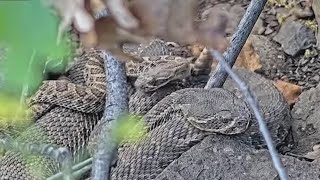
(226, 159)
(285, 45)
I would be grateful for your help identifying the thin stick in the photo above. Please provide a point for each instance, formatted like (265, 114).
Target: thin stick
(239, 38)
(254, 105)
(116, 104)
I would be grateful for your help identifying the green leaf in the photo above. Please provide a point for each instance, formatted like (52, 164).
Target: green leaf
(30, 31)
(130, 128)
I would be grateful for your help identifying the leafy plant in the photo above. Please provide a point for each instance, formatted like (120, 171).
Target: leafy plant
(29, 33)
(130, 128)
(29, 30)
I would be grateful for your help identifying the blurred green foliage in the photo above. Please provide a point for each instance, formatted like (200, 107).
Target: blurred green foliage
(130, 128)
(14, 116)
(29, 29)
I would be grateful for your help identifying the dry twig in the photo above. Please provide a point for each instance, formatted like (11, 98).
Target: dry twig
(116, 104)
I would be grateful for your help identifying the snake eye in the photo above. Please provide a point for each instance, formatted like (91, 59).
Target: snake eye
(159, 82)
(153, 84)
(152, 81)
(172, 44)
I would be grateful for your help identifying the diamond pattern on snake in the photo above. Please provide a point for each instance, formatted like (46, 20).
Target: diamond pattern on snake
(67, 109)
(178, 111)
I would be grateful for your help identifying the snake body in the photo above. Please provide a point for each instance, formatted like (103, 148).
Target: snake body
(57, 124)
(186, 116)
(60, 121)
(178, 115)
(172, 134)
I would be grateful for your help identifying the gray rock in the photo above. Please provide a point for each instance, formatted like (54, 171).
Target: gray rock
(270, 57)
(306, 122)
(258, 28)
(221, 158)
(294, 37)
(235, 13)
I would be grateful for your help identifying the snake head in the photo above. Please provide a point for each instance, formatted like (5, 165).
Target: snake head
(164, 73)
(215, 111)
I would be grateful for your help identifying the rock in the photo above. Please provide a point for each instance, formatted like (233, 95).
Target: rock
(270, 18)
(306, 124)
(220, 157)
(315, 154)
(258, 28)
(302, 71)
(273, 24)
(271, 58)
(304, 68)
(248, 58)
(235, 13)
(268, 31)
(294, 37)
(290, 91)
(316, 78)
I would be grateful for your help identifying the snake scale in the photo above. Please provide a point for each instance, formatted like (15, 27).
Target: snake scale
(177, 114)
(186, 116)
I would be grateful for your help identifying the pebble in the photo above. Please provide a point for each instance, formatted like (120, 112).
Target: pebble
(304, 68)
(316, 77)
(294, 37)
(268, 30)
(273, 24)
(270, 18)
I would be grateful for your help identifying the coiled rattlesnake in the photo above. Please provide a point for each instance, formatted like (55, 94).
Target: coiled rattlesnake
(186, 116)
(177, 122)
(63, 122)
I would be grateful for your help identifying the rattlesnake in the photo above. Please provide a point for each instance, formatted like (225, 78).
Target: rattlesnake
(55, 108)
(53, 122)
(166, 122)
(186, 116)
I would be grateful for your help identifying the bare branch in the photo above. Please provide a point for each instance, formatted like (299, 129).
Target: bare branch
(239, 38)
(255, 107)
(116, 104)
